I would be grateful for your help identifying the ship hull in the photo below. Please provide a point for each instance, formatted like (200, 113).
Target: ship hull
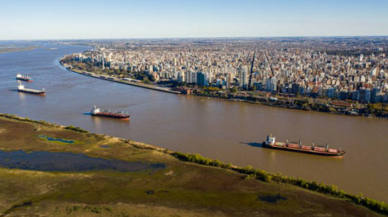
(112, 116)
(320, 153)
(33, 92)
(24, 79)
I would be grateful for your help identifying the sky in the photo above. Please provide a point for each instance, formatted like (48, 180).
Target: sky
(109, 19)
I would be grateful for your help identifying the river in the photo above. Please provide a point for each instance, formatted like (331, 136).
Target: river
(218, 129)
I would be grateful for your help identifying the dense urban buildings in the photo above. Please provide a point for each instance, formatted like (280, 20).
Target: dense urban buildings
(341, 68)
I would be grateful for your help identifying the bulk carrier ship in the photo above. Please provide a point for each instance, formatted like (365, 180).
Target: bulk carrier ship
(324, 151)
(103, 113)
(23, 77)
(21, 88)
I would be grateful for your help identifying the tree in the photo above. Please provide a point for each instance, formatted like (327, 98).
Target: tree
(151, 78)
(234, 90)
(146, 80)
(212, 89)
(332, 109)
(305, 106)
(371, 108)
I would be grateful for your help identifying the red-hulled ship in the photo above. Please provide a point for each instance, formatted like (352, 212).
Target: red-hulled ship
(23, 77)
(21, 88)
(120, 115)
(324, 151)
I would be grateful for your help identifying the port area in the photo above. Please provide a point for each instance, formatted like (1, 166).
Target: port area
(152, 182)
(122, 81)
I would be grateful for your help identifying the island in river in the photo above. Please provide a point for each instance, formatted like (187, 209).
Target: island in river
(9, 49)
(48, 170)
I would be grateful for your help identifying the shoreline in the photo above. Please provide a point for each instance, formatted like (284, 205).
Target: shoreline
(153, 87)
(107, 78)
(248, 171)
(295, 109)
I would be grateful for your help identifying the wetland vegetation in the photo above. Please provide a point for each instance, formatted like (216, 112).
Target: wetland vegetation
(163, 183)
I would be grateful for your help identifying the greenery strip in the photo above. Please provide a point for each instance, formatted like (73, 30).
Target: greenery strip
(262, 175)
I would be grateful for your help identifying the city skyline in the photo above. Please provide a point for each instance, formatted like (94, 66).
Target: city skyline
(40, 20)
(309, 67)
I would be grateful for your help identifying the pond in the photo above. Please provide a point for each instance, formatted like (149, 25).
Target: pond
(56, 139)
(271, 198)
(68, 162)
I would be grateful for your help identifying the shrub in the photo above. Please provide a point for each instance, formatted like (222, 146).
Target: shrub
(77, 129)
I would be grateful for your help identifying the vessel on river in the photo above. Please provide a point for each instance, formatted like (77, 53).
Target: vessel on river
(107, 113)
(324, 151)
(23, 77)
(21, 88)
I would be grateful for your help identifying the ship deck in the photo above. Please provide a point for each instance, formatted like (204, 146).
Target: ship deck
(112, 115)
(306, 149)
(32, 91)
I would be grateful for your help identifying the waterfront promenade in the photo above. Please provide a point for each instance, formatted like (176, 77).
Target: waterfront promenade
(121, 81)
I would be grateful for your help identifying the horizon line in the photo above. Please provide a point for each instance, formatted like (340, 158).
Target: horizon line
(217, 37)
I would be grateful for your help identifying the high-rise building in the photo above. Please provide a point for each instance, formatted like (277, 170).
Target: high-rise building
(274, 86)
(268, 85)
(203, 79)
(191, 77)
(229, 80)
(330, 92)
(375, 95)
(295, 88)
(365, 95)
(343, 95)
(356, 95)
(302, 90)
(181, 77)
(244, 77)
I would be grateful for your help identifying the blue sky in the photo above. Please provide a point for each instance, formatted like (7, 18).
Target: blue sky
(87, 19)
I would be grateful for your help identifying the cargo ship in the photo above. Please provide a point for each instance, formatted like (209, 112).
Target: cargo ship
(104, 113)
(21, 88)
(23, 77)
(313, 149)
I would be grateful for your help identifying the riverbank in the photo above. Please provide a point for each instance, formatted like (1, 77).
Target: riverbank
(302, 104)
(259, 98)
(187, 185)
(122, 81)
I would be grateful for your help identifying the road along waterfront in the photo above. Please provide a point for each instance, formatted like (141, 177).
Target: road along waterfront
(231, 132)
(122, 81)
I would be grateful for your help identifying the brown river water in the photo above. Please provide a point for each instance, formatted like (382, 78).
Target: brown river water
(228, 131)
